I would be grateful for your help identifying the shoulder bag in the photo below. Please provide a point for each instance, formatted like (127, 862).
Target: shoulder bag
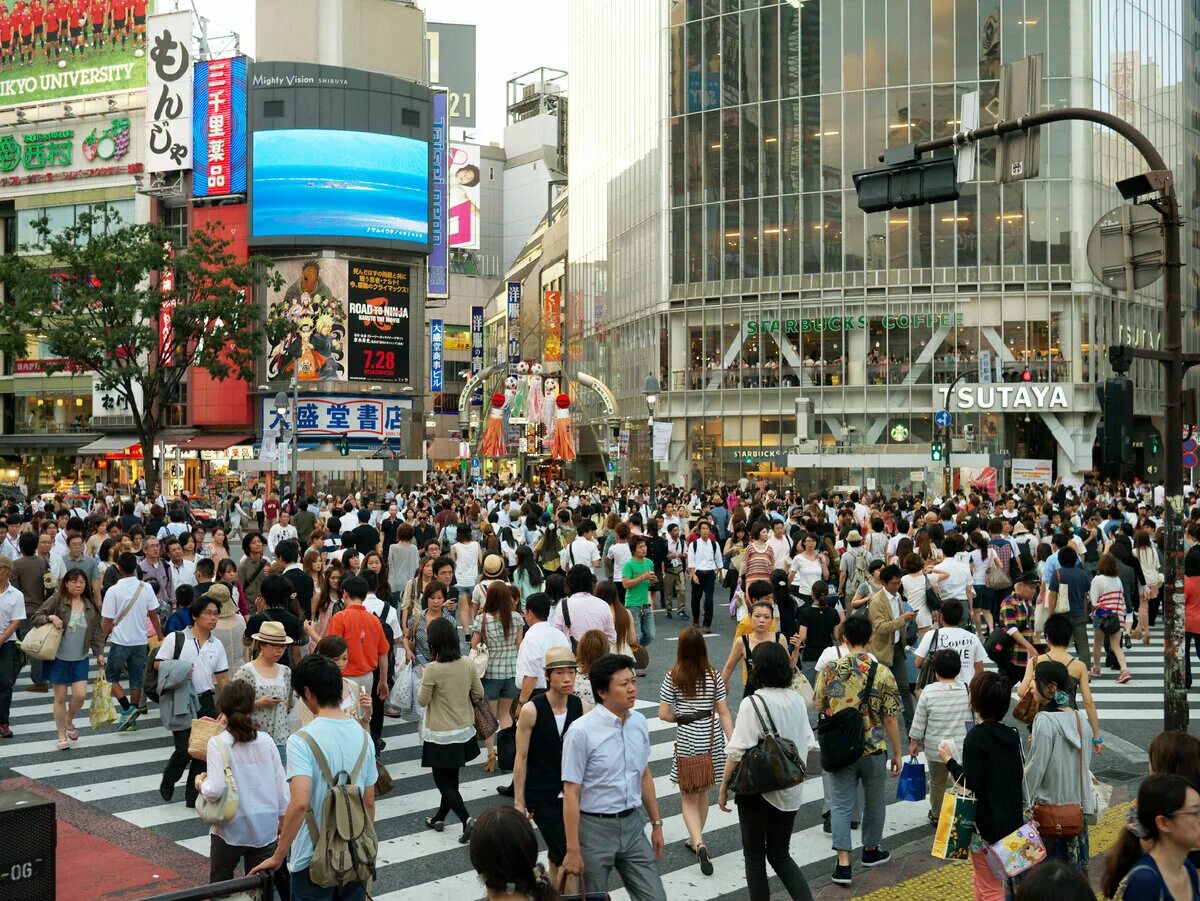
(996, 578)
(1063, 820)
(933, 601)
(695, 772)
(479, 654)
(41, 642)
(842, 736)
(1029, 704)
(772, 764)
(926, 675)
(225, 808)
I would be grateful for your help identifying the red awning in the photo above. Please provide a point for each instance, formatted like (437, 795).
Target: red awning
(215, 442)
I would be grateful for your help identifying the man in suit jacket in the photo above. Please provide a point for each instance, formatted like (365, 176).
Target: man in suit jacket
(888, 619)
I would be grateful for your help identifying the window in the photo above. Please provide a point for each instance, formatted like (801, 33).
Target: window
(63, 217)
(175, 220)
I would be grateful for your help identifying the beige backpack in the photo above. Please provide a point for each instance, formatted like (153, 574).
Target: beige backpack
(345, 844)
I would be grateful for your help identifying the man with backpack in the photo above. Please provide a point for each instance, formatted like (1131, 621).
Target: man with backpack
(859, 704)
(331, 772)
(854, 567)
(705, 565)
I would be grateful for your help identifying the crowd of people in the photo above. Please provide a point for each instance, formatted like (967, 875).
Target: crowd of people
(514, 623)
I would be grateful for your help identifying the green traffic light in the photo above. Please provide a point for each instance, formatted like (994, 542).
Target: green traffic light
(935, 451)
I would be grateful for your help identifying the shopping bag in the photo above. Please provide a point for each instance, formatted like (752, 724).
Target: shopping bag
(1017, 852)
(911, 786)
(101, 713)
(956, 823)
(506, 748)
(400, 698)
(1102, 792)
(735, 601)
(414, 711)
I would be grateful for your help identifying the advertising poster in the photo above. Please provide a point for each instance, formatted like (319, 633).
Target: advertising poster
(1031, 472)
(439, 246)
(377, 321)
(552, 325)
(464, 196)
(57, 71)
(313, 304)
(91, 148)
(169, 93)
(458, 337)
(437, 331)
(219, 129)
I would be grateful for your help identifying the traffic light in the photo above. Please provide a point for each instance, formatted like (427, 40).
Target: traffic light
(1118, 419)
(344, 446)
(911, 183)
(1026, 375)
(935, 452)
(1155, 444)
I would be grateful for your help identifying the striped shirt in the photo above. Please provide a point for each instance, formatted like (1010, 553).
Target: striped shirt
(1107, 593)
(942, 713)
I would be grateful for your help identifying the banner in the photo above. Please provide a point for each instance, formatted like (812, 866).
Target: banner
(219, 131)
(456, 337)
(323, 416)
(169, 93)
(313, 304)
(436, 333)
(378, 322)
(512, 326)
(439, 251)
(464, 196)
(477, 351)
(552, 325)
(1031, 472)
(661, 446)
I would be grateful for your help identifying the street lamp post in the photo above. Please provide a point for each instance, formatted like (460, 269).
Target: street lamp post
(651, 388)
(285, 404)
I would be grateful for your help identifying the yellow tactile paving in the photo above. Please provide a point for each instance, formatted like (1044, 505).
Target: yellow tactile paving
(952, 881)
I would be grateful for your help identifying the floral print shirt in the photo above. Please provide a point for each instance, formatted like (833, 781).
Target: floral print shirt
(842, 681)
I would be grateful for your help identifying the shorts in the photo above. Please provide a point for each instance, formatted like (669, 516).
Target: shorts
(119, 656)
(495, 689)
(6, 45)
(76, 31)
(97, 29)
(549, 818)
(66, 672)
(139, 21)
(983, 598)
(26, 39)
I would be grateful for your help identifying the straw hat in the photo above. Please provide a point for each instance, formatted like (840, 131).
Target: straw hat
(558, 656)
(219, 592)
(271, 632)
(493, 565)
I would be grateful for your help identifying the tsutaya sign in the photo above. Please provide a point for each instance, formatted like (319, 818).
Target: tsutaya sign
(852, 323)
(1021, 397)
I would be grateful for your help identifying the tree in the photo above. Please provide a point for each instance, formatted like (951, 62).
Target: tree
(100, 292)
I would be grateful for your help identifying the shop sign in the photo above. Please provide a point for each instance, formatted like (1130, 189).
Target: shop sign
(902, 321)
(112, 402)
(133, 452)
(1031, 472)
(237, 452)
(477, 351)
(1011, 398)
(169, 92)
(354, 417)
(37, 367)
(436, 335)
(551, 324)
(219, 131)
(754, 456)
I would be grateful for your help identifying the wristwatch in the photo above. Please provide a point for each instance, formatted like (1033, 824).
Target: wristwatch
(656, 824)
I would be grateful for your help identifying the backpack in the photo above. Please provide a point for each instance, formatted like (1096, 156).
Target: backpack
(1025, 556)
(150, 680)
(842, 736)
(858, 573)
(345, 844)
(720, 558)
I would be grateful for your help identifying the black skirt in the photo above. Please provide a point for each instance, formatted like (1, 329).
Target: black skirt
(449, 757)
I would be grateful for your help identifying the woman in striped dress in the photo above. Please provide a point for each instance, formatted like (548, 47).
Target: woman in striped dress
(1107, 595)
(692, 693)
(759, 558)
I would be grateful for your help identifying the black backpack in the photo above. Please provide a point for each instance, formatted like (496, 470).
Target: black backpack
(841, 736)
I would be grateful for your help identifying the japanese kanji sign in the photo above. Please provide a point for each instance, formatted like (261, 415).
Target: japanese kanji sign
(219, 128)
(330, 415)
(169, 92)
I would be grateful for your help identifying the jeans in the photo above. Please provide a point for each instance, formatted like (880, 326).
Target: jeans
(37, 668)
(706, 586)
(446, 780)
(1080, 627)
(8, 678)
(181, 761)
(622, 845)
(827, 792)
(766, 836)
(644, 617)
(304, 890)
(899, 670)
(871, 771)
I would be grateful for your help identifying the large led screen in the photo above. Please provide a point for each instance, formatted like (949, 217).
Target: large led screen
(340, 184)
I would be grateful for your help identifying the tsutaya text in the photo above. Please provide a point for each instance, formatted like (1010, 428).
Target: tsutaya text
(1022, 396)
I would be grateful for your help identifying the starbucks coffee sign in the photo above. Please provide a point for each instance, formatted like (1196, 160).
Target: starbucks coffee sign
(1023, 397)
(852, 323)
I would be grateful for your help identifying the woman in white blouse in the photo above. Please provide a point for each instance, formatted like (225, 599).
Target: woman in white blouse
(263, 796)
(808, 567)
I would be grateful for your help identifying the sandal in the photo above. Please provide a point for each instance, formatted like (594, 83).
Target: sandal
(1125, 676)
(64, 745)
(1095, 672)
(687, 844)
(435, 825)
(72, 734)
(490, 765)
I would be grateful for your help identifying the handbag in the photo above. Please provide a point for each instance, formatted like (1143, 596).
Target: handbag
(486, 723)
(772, 764)
(399, 699)
(956, 824)
(585, 896)
(202, 731)
(911, 785)
(999, 646)
(695, 772)
(933, 601)
(41, 642)
(1027, 708)
(996, 578)
(506, 748)
(225, 807)
(925, 676)
(1018, 851)
(383, 779)
(1063, 820)
(802, 686)
(641, 657)
(479, 654)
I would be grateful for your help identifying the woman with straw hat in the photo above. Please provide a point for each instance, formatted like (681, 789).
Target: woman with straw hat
(231, 625)
(272, 683)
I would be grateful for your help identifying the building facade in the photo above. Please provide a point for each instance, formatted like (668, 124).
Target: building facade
(723, 250)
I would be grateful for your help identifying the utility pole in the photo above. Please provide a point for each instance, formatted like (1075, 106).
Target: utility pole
(913, 182)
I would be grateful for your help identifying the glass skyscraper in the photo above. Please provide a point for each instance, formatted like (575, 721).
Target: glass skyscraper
(716, 240)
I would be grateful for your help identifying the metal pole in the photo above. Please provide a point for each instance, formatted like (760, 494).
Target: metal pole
(295, 428)
(650, 433)
(1175, 701)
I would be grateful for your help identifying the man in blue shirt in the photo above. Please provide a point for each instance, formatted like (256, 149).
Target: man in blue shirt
(606, 784)
(1074, 579)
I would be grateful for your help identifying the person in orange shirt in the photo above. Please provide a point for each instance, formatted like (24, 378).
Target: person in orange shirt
(22, 20)
(76, 13)
(6, 39)
(367, 643)
(120, 22)
(139, 22)
(97, 13)
(38, 11)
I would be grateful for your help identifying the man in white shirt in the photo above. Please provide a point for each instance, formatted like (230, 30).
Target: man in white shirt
(9, 547)
(183, 572)
(540, 637)
(123, 619)
(12, 613)
(949, 637)
(779, 546)
(582, 611)
(706, 565)
(583, 550)
(673, 571)
(281, 530)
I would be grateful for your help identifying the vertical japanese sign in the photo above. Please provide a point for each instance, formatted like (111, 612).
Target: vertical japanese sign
(169, 93)
(439, 252)
(552, 325)
(166, 314)
(477, 351)
(378, 321)
(219, 128)
(512, 323)
(437, 333)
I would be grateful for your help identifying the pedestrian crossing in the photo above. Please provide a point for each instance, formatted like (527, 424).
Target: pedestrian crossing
(119, 773)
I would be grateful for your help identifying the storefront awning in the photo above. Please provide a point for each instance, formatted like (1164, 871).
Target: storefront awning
(110, 444)
(216, 442)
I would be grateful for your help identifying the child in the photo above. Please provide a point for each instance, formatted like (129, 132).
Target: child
(942, 714)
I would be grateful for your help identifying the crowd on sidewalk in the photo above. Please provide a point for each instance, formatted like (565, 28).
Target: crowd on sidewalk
(514, 622)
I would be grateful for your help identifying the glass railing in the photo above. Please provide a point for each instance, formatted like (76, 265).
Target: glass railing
(883, 372)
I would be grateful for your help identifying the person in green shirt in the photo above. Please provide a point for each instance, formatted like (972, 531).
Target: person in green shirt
(637, 575)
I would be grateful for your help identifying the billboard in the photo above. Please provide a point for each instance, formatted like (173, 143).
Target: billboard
(77, 74)
(91, 148)
(348, 184)
(169, 93)
(437, 333)
(464, 196)
(552, 325)
(452, 65)
(356, 417)
(312, 302)
(439, 251)
(219, 131)
(378, 321)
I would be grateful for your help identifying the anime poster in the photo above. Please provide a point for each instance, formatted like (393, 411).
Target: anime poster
(312, 311)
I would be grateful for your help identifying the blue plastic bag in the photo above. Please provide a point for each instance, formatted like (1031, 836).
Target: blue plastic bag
(911, 786)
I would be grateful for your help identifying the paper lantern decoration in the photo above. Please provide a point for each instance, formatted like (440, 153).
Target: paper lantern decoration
(517, 411)
(562, 445)
(491, 443)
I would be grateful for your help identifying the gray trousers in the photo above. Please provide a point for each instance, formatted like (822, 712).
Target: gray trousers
(872, 773)
(621, 844)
